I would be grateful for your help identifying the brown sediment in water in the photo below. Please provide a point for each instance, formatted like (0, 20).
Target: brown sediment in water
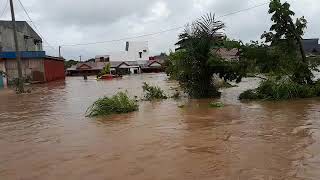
(45, 135)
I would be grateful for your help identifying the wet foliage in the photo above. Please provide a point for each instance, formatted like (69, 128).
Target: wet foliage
(216, 105)
(105, 70)
(289, 70)
(196, 60)
(153, 92)
(282, 89)
(70, 63)
(117, 104)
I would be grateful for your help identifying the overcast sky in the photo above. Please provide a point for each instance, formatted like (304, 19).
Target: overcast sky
(64, 22)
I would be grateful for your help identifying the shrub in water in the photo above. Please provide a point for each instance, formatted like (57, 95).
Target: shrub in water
(153, 92)
(282, 89)
(249, 94)
(216, 105)
(117, 104)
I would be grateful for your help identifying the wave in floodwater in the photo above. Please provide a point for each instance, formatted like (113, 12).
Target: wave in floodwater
(45, 135)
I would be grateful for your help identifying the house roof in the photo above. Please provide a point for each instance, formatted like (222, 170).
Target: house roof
(92, 65)
(150, 63)
(309, 45)
(115, 64)
(228, 54)
(100, 56)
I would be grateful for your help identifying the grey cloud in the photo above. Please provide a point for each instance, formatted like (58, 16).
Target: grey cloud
(81, 21)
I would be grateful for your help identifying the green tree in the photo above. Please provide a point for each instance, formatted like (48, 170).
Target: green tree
(195, 61)
(285, 37)
(106, 69)
(68, 64)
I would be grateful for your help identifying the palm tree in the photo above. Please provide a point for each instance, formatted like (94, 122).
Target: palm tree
(196, 42)
(206, 27)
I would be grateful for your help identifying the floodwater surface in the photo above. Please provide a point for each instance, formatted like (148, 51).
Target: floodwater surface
(45, 135)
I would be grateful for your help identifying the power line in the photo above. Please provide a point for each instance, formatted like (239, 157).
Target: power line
(4, 8)
(242, 10)
(163, 31)
(24, 9)
(127, 38)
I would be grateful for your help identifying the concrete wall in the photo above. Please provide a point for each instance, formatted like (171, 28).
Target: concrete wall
(32, 69)
(132, 53)
(26, 37)
(134, 50)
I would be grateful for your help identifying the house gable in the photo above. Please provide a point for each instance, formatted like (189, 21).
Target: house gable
(123, 65)
(84, 67)
(155, 64)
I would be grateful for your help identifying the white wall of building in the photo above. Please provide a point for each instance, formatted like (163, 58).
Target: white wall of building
(138, 51)
(135, 51)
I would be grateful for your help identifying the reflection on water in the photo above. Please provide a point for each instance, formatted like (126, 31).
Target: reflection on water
(45, 135)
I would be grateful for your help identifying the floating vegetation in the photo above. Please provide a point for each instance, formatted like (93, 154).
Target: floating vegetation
(117, 104)
(216, 105)
(153, 92)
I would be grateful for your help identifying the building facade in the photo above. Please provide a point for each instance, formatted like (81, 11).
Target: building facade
(134, 51)
(28, 39)
(134, 60)
(36, 67)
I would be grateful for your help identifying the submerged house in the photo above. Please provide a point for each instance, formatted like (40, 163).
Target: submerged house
(37, 66)
(130, 61)
(86, 68)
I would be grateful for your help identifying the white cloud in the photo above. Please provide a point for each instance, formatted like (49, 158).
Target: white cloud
(158, 10)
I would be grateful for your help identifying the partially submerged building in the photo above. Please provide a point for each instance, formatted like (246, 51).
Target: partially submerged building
(36, 65)
(134, 60)
(86, 68)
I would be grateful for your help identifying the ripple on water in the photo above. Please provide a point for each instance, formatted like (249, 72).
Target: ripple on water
(47, 130)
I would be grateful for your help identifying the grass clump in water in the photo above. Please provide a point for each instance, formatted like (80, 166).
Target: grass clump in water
(282, 89)
(117, 104)
(153, 92)
(216, 105)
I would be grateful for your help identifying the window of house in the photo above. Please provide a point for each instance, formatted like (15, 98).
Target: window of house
(140, 54)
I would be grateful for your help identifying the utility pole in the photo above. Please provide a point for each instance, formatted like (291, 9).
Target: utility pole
(80, 58)
(60, 51)
(20, 78)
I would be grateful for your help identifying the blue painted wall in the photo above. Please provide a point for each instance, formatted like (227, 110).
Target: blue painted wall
(24, 54)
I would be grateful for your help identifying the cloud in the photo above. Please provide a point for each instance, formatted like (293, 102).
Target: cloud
(72, 22)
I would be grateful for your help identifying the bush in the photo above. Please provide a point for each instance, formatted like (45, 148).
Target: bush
(249, 94)
(216, 105)
(282, 89)
(153, 92)
(117, 104)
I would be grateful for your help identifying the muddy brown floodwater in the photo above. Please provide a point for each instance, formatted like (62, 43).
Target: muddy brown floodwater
(45, 135)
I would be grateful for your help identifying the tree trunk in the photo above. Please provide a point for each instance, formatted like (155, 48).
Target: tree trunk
(303, 54)
(298, 39)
